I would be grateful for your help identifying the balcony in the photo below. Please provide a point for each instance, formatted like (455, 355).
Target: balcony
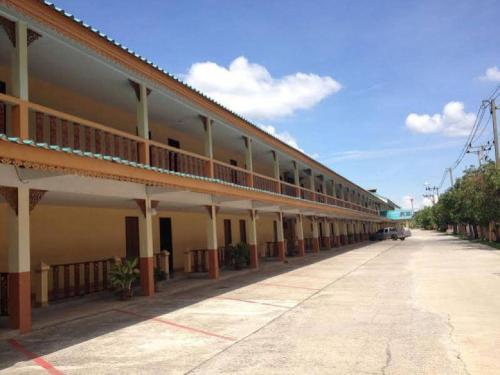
(59, 131)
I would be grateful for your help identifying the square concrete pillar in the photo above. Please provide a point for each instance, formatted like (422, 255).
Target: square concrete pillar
(281, 237)
(213, 261)
(327, 234)
(252, 239)
(315, 234)
(18, 232)
(146, 263)
(299, 228)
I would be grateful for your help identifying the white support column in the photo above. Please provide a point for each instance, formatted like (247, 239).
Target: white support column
(276, 165)
(327, 233)
(296, 177)
(209, 144)
(20, 62)
(143, 122)
(315, 234)
(299, 229)
(18, 232)
(252, 239)
(312, 185)
(212, 246)
(281, 237)
(249, 159)
(20, 88)
(146, 247)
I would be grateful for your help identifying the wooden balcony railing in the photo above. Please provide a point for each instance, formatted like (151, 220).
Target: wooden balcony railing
(289, 189)
(196, 261)
(77, 279)
(308, 245)
(177, 160)
(265, 183)
(231, 173)
(272, 249)
(56, 128)
(307, 194)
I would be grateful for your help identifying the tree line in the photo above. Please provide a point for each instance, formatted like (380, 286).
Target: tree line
(470, 207)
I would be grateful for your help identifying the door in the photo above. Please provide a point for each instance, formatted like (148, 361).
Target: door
(174, 156)
(228, 238)
(234, 174)
(243, 231)
(132, 237)
(166, 240)
(289, 234)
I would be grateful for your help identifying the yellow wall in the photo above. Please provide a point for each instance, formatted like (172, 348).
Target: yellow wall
(62, 234)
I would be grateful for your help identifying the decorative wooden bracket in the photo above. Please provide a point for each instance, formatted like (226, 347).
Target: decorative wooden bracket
(10, 29)
(137, 89)
(35, 197)
(142, 205)
(10, 196)
(32, 36)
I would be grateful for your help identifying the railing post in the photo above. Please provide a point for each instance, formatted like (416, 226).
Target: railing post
(42, 286)
(164, 263)
(187, 261)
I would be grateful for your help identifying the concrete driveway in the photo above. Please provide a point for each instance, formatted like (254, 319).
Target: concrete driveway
(428, 305)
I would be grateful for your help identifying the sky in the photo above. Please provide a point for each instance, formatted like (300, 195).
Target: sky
(383, 92)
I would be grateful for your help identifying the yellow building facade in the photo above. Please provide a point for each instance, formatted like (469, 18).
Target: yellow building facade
(104, 156)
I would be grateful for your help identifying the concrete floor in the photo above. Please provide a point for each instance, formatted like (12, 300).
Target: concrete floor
(428, 305)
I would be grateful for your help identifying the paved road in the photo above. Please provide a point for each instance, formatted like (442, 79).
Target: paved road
(428, 305)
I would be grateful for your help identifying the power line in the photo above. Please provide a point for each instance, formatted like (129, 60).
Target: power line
(477, 130)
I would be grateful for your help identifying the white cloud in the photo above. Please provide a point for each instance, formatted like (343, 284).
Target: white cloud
(250, 90)
(492, 74)
(452, 122)
(282, 136)
(406, 202)
(387, 152)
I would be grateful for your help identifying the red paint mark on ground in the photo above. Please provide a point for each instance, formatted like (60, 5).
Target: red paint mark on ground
(289, 286)
(35, 358)
(174, 324)
(250, 301)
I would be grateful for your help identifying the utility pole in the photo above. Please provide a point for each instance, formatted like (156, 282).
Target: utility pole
(451, 177)
(411, 200)
(480, 151)
(493, 111)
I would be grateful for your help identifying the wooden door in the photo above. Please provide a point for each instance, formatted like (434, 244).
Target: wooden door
(166, 240)
(228, 237)
(132, 237)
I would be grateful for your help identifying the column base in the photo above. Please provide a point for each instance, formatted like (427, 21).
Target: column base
(213, 264)
(254, 257)
(327, 243)
(315, 245)
(19, 303)
(281, 250)
(146, 268)
(302, 249)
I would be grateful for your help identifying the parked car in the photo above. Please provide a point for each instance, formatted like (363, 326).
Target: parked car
(390, 233)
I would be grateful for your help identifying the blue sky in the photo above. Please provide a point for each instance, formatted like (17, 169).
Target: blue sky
(367, 65)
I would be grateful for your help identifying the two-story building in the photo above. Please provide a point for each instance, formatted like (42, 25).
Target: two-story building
(104, 155)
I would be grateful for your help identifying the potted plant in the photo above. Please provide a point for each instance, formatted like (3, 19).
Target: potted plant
(123, 275)
(240, 255)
